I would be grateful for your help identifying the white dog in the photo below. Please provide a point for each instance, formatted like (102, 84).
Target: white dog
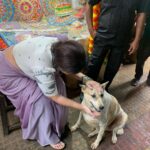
(112, 117)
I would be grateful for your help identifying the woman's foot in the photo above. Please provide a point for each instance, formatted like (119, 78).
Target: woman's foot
(60, 145)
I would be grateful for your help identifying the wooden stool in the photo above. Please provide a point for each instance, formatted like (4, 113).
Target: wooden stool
(5, 107)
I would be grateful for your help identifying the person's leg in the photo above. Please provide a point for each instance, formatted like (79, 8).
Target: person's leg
(148, 79)
(96, 60)
(142, 55)
(139, 64)
(148, 55)
(47, 120)
(139, 67)
(114, 61)
(46, 123)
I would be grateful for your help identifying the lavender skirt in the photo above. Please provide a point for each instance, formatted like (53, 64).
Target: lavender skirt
(41, 118)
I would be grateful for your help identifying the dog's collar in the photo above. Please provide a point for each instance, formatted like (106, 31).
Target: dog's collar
(94, 107)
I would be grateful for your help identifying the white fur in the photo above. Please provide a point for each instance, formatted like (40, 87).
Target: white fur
(111, 114)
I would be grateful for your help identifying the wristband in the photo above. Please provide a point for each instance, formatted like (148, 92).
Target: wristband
(85, 79)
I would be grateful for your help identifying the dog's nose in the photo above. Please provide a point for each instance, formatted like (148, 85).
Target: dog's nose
(101, 107)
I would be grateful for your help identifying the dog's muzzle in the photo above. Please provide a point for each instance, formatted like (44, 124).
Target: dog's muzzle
(98, 110)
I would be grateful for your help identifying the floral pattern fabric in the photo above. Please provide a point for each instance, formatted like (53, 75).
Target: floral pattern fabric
(7, 10)
(28, 10)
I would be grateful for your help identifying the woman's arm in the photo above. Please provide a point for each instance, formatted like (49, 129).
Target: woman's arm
(66, 102)
(70, 103)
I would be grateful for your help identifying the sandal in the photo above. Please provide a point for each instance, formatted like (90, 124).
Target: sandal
(59, 146)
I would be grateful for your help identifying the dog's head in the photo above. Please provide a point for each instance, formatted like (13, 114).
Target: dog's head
(94, 99)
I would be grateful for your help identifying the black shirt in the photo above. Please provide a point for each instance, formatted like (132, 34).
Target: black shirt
(116, 19)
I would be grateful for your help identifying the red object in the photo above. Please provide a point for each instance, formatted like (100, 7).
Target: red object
(3, 45)
(80, 13)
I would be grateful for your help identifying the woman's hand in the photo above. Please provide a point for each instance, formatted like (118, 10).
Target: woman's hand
(89, 82)
(93, 84)
(88, 111)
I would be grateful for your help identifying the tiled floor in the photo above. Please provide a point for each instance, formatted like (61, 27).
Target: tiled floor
(134, 100)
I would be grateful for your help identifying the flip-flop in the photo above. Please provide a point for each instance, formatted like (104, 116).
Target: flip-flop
(59, 146)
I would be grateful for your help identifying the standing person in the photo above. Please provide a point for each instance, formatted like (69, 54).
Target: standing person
(113, 35)
(144, 51)
(30, 77)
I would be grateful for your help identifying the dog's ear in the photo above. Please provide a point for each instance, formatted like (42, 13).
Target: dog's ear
(82, 87)
(104, 85)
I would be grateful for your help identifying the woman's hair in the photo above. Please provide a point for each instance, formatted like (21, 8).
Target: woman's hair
(69, 56)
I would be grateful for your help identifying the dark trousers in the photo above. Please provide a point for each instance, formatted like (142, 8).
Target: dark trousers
(142, 54)
(115, 56)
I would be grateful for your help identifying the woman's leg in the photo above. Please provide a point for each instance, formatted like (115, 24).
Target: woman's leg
(47, 119)
(46, 122)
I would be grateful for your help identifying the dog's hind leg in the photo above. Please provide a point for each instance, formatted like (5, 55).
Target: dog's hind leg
(93, 132)
(114, 135)
(77, 124)
(119, 129)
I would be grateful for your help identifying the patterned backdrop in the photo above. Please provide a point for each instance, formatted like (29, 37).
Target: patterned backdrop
(7, 10)
(33, 11)
(48, 6)
(28, 10)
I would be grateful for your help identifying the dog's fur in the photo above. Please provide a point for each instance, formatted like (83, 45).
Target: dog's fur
(112, 117)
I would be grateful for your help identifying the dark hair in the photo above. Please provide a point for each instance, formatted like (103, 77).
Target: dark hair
(69, 55)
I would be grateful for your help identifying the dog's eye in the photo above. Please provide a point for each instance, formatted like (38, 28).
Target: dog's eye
(94, 96)
(101, 94)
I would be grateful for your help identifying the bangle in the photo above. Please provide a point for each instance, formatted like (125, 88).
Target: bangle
(85, 79)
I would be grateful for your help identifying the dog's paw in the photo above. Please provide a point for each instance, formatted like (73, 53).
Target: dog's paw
(114, 139)
(90, 135)
(94, 145)
(120, 131)
(73, 128)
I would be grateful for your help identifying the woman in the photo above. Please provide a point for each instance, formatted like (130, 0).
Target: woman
(29, 76)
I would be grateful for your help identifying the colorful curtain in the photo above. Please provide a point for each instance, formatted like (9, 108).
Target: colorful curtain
(7, 10)
(28, 10)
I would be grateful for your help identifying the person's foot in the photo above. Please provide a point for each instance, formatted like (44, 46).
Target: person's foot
(135, 82)
(148, 82)
(59, 146)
